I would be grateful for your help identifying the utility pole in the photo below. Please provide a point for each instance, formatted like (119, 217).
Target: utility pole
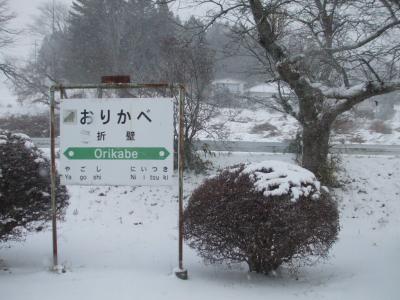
(35, 52)
(53, 62)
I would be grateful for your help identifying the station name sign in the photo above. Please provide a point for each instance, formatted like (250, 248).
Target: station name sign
(125, 141)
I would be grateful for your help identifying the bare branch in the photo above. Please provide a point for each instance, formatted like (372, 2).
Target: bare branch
(361, 43)
(372, 70)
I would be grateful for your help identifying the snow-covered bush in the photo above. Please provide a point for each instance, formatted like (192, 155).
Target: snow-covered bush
(264, 214)
(24, 187)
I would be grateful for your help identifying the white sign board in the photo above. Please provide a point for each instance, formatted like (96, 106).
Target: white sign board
(116, 141)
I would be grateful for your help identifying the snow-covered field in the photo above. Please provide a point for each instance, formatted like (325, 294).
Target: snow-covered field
(121, 243)
(261, 125)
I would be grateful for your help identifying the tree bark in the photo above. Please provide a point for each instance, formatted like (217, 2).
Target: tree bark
(316, 148)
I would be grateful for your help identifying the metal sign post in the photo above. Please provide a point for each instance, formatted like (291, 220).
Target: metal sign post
(181, 272)
(53, 178)
(98, 153)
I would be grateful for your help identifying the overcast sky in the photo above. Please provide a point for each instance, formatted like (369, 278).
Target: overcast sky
(25, 10)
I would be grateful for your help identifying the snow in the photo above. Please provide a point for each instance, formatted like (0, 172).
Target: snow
(121, 242)
(264, 88)
(240, 125)
(228, 81)
(29, 144)
(6, 221)
(21, 136)
(39, 160)
(276, 178)
(341, 92)
(44, 194)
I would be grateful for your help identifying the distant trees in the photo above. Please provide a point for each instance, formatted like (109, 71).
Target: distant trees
(98, 38)
(95, 38)
(96, 33)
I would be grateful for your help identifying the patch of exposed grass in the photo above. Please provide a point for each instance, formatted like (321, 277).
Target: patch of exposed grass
(379, 126)
(264, 127)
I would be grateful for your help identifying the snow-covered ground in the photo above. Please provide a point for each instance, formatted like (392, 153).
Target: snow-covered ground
(263, 125)
(121, 243)
(240, 125)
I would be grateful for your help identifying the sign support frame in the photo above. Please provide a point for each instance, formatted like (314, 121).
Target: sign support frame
(180, 272)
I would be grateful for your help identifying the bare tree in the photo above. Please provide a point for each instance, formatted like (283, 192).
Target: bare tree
(53, 17)
(32, 82)
(188, 59)
(44, 66)
(6, 37)
(330, 53)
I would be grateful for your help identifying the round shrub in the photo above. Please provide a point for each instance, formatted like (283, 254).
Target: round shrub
(25, 202)
(264, 214)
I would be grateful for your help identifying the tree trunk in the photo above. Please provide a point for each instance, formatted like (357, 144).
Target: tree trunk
(316, 149)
